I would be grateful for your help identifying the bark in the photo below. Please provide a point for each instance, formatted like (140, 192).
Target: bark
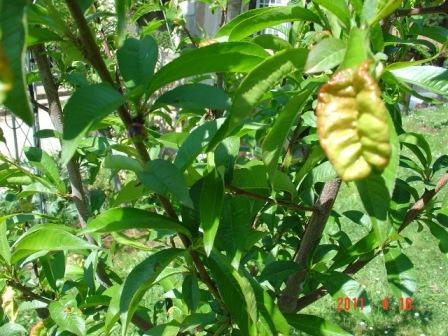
(55, 110)
(310, 240)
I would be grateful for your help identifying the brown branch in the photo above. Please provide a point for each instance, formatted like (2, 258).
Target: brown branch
(28, 292)
(312, 236)
(269, 200)
(351, 269)
(443, 8)
(93, 55)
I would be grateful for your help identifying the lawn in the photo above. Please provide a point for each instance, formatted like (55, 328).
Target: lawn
(429, 315)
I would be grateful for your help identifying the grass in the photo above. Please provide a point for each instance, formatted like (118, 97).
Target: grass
(430, 303)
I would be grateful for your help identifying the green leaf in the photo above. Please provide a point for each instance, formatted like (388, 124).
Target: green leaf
(315, 325)
(419, 146)
(400, 273)
(390, 172)
(13, 32)
(194, 97)
(338, 8)
(340, 285)
(113, 311)
(86, 106)
(357, 48)
(269, 41)
(121, 10)
(277, 136)
(385, 10)
(429, 77)
(440, 34)
(12, 329)
(163, 177)
(37, 35)
(375, 198)
(327, 54)
(210, 207)
(190, 292)
(53, 266)
(137, 60)
(195, 142)
(279, 271)
(122, 162)
(140, 279)
(166, 329)
(239, 295)
(118, 219)
(255, 20)
(5, 249)
(67, 316)
(47, 237)
(440, 234)
(255, 85)
(46, 164)
(218, 57)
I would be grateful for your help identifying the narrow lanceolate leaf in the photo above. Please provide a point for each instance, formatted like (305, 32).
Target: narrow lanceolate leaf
(386, 9)
(46, 164)
(194, 97)
(13, 32)
(5, 249)
(119, 219)
(190, 292)
(218, 57)
(255, 20)
(274, 141)
(315, 325)
(375, 198)
(121, 11)
(327, 54)
(340, 285)
(357, 48)
(47, 238)
(164, 178)
(210, 206)
(440, 234)
(239, 295)
(400, 273)
(196, 141)
(352, 123)
(338, 8)
(429, 77)
(255, 85)
(390, 172)
(141, 278)
(86, 106)
(137, 60)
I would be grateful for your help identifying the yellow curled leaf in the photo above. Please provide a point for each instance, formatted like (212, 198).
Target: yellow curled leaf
(352, 123)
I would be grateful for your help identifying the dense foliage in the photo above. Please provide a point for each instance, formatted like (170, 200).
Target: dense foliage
(216, 170)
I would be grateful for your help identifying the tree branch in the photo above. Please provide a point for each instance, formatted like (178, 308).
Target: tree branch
(93, 55)
(269, 200)
(443, 8)
(311, 238)
(351, 269)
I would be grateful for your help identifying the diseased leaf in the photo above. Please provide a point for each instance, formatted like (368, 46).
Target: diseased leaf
(140, 279)
(67, 316)
(12, 60)
(352, 123)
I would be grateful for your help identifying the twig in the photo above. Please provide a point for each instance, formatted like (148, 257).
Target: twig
(311, 238)
(351, 269)
(28, 292)
(269, 200)
(443, 8)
